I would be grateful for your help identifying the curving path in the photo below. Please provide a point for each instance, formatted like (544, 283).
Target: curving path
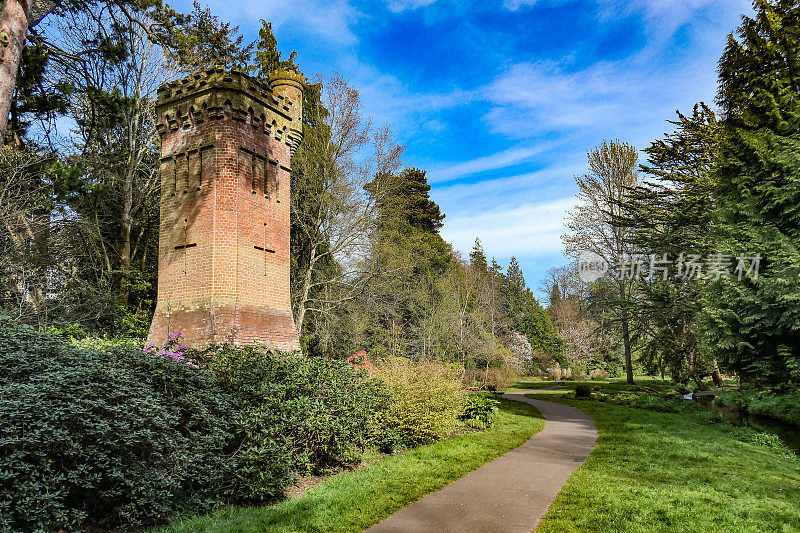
(511, 493)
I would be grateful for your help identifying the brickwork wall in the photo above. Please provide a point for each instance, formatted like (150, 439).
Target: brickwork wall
(224, 264)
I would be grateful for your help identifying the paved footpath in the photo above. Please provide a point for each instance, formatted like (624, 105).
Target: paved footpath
(513, 492)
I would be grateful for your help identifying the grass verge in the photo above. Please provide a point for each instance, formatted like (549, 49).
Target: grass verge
(643, 383)
(654, 471)
(355, 500)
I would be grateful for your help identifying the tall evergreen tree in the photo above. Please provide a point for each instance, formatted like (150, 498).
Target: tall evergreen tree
(477, 257)
(408, 195)
(526, 314)
(404, 305)
(514, 274)
(669, 216)
(754, 324)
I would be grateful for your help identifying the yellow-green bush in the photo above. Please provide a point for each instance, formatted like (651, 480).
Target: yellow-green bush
(427, 399)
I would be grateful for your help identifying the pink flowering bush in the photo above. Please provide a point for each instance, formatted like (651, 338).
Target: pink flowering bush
(360, 360)
(172, 349)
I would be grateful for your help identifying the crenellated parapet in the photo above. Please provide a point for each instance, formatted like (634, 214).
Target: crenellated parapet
(274, 108)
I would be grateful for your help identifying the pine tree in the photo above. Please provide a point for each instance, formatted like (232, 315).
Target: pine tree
(514, 274)
(526, 314)
(754, 324)
(496, 269)
(409, 195)
(477, 257)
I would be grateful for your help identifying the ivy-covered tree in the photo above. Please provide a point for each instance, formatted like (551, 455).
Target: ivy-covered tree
(405, 309)
(753, 324)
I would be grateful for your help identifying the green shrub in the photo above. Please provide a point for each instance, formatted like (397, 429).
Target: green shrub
(583, 391)
(107, 343)
(426, 401)
(665, 405)
(783, 406)
(768, 440)
(297, 414)
(479, 411)
(735, 399)
(95, 438)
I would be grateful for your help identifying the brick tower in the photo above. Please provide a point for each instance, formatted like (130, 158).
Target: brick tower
(223, 253)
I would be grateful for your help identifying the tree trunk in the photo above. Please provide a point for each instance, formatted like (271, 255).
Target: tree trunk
(717, 375)
(13, 27)
(301, 309)
(626, 341)
(691, 356)
(126, 228)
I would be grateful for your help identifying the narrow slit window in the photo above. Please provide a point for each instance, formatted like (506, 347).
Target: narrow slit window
(264, 249)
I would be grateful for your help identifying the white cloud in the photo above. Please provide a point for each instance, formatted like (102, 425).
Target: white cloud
(389, 100)
(499, 160)
(628, 98)
(662, 18)
(540, 186)
(435, 126)
(398, 6)
(539, 98)
(513, 5)
(527, 229)
(329, 19)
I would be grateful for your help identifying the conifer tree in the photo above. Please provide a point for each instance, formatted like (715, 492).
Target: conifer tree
(408, 194)
(477, 257)
(669, 217)
(754, 324)
(526, 314)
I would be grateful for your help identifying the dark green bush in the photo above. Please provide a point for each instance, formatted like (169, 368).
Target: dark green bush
(298, 414)
(583, 391)
(479, 411)
(105, 438)
(116, 437)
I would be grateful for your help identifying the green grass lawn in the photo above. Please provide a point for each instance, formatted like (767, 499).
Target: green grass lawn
(352, 501)
(654, 471)
(643, 384)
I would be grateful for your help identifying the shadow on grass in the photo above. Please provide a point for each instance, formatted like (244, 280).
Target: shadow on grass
(654, 471)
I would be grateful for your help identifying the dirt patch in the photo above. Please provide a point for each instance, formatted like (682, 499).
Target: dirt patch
(305, 483)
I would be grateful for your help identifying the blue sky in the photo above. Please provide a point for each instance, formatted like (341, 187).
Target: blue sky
(499, 100)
